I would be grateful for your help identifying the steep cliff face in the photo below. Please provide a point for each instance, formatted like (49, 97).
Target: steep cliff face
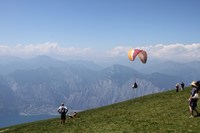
(7, 98)
(41, 90)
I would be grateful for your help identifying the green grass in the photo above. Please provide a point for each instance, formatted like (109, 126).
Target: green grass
(161, 112)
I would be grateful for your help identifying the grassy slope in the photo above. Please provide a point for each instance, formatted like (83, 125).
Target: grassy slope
(162, 112)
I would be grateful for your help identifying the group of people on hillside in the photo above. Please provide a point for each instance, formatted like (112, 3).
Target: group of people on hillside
(180, 86)
(193, 98)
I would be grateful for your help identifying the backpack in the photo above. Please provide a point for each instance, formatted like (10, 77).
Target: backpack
(63, 111)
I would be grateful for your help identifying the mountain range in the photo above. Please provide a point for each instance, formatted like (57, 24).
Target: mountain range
(39, 85)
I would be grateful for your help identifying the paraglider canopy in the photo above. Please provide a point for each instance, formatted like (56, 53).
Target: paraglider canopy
(133, 53)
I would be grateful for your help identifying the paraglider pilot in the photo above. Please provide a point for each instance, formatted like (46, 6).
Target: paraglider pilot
(135, 85)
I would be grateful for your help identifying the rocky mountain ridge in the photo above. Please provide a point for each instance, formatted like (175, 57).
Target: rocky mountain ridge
(43, 83)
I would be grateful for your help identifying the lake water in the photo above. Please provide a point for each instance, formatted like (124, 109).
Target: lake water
(14, 120)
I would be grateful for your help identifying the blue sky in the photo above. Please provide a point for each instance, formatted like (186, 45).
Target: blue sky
(98, 24)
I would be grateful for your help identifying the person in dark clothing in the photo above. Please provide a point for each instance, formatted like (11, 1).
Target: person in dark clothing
(182, 86)
(193, 100)
(62, 110)
(198, 85)
(135, 85)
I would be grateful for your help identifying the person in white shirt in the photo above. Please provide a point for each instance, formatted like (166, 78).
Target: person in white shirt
(62, 110)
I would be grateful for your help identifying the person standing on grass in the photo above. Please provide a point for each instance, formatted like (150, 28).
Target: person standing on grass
(182, 86)
(62, 110)
(177, 87)
(193, 100)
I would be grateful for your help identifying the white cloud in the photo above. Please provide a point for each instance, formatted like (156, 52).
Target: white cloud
(117, 51)
(176, 52)
(51, 49)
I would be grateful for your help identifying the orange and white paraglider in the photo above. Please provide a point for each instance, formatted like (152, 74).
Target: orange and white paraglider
(133, 53)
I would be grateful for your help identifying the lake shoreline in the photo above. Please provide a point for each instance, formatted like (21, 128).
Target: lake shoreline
(6, 121)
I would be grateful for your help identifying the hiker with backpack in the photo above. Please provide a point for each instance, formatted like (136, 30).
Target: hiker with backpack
(62, 110)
